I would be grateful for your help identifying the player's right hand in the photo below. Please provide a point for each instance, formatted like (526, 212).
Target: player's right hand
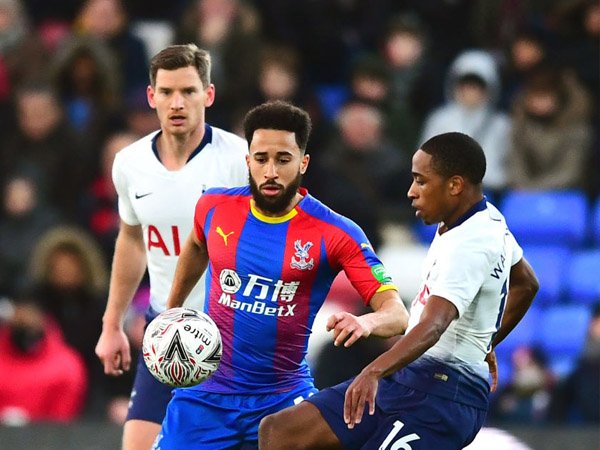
(490, 358)
(113, 350)
(361, 392)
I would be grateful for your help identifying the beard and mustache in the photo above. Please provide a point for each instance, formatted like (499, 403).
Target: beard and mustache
(274, 204)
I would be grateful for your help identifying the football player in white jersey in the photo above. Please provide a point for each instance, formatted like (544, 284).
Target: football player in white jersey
(430, 389)
(159, 179)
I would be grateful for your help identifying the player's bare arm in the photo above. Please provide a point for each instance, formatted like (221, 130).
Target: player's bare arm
(191, 265)
(129, 265)
(389, 318)
(522, 289)
(435, 319)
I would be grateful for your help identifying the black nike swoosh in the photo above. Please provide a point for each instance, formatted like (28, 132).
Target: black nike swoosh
(138, 196)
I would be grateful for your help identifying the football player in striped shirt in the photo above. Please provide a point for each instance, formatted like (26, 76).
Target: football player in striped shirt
(271, 252)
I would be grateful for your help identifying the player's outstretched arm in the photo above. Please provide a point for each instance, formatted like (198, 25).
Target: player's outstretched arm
(191, 265)
(389, 318)
(129, 265)
(521, 291)
(436, 317)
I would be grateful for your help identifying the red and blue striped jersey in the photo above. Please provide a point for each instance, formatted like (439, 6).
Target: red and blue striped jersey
(268, 277)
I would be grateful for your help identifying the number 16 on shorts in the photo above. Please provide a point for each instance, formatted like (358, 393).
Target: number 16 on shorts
(402, 443)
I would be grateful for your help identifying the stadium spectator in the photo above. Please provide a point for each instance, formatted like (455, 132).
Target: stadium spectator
(416, 79)
(280, 77)
(328, 35)
(107, 20)
(85, 79)
(472, 91)
(44, 147)
(42, 379)
(525, 53)
(23, 218)
(69, 276)
(577, 26)
(360, 171)
(552, 135)
(21, 50)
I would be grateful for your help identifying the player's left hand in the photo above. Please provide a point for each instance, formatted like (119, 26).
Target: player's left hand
(361, 392)
(347, 328)
(490, 358)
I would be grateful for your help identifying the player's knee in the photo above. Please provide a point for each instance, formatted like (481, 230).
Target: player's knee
(273, 433)
(266, 430)
(139, 434)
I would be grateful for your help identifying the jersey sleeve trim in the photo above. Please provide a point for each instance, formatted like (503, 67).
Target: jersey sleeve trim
(386, 287)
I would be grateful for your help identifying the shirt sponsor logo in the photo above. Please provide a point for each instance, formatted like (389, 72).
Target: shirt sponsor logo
(257, 307)
(302, 254)
(224, 235)
(230, 281)
(270, 297)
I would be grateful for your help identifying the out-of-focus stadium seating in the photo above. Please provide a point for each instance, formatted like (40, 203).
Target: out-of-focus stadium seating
(562, 335)
(595, 224)
(547, 217)
(582, 280)
(550, 263)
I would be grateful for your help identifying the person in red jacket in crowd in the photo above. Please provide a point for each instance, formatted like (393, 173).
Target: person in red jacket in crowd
(41, 377)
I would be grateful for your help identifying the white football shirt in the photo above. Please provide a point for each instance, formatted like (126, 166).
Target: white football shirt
(469, 265)
(163, 201)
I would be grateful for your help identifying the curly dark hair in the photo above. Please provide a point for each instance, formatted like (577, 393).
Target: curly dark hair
(279, 115)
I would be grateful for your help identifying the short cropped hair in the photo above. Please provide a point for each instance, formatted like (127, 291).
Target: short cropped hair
(456, 154)
(279, 115)
(180, 56)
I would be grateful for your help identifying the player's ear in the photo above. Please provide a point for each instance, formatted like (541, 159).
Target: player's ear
(150, 96)
(456, 184)
(210, 95)
(304, 163)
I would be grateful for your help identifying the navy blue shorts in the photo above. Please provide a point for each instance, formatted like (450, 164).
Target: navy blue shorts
(211, 421)
(149, 397)
(423, 421)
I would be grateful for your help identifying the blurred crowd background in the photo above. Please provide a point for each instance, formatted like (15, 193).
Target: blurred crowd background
(378, 78)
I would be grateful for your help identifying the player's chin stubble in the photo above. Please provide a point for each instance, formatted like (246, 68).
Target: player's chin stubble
(279, 203)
